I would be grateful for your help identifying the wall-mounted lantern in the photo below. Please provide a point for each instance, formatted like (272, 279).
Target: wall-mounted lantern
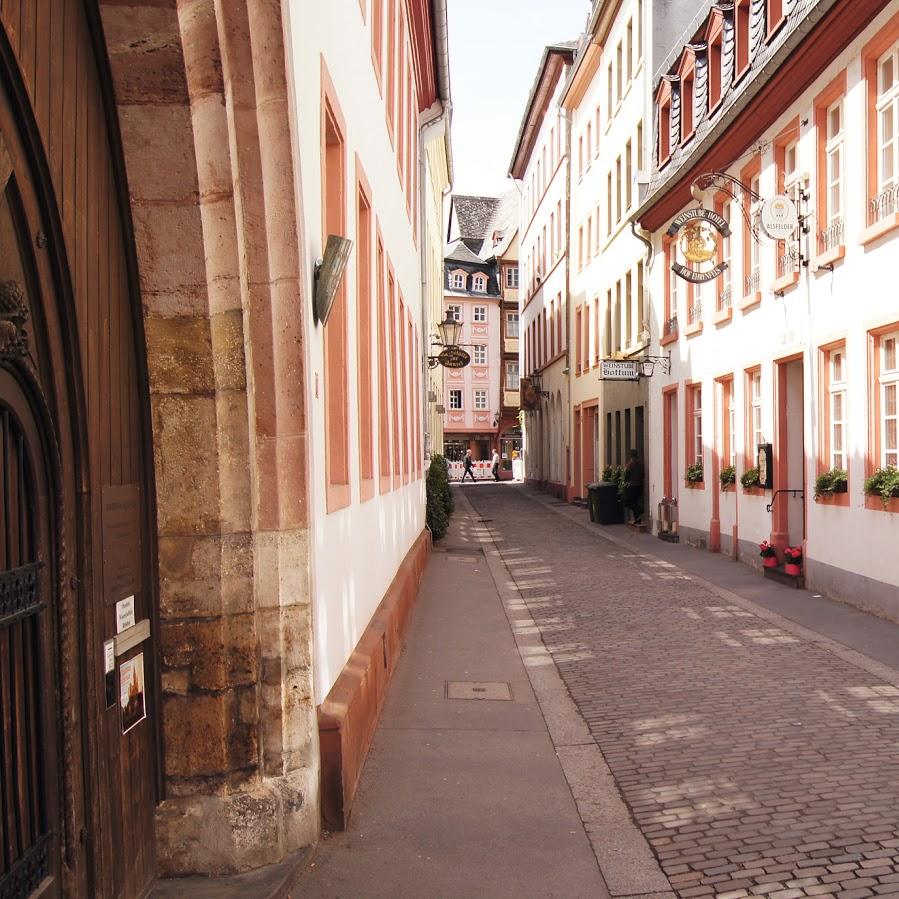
(452, 355)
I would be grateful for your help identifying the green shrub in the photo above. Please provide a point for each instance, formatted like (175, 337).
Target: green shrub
(694, 473)
(728, 476)
(830, 482)
(439, 497)
(883, 483)
(750, 478)
(615, 474)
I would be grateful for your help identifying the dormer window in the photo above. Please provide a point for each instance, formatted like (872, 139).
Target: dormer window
(479, 284)
(687, 72)
(714, 41)
(663, 103)
(458, 281)
(741, 36)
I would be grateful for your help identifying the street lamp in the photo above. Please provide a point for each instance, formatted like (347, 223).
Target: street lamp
(449, 329)
(451, 354)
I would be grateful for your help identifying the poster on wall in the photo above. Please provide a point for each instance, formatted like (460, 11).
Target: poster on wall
(131, 692)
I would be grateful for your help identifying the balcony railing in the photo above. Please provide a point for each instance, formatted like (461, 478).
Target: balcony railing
(831, 237)
(671, 325)
(695, 312)
(725, 298)
(752, 282)
(788, 262)
(883, 205)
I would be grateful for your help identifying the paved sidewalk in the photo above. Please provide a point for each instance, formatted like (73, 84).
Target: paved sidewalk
(460, 797)
(757, 755)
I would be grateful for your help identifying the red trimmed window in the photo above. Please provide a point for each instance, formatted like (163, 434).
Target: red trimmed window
(886, 397)
(335, 330)
(741, 36)
(715, 42)
(363, 337)
(383, 378)
(775, 15)
(693, 446)
(663, 103)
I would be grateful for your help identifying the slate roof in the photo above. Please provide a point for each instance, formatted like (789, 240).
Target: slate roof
(473, 214)
(459, 252)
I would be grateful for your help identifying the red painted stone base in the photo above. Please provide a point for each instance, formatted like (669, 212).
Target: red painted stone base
(349, 714)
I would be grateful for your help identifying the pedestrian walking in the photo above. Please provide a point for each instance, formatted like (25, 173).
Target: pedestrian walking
(467, 466)
(634, 474)
(495, 464)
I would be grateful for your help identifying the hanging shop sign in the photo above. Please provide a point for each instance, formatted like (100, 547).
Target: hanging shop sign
(453, 357)
(616, 370)
(779, 217)
(699, 232)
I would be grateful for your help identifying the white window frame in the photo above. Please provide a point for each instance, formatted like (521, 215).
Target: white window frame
(888, 102)
(455, 310)
(479, 314)
(512, 276)
(513, 374)
(479, 284)
(755, 410)
(834, 160)
(512, 324)
(732, 425)
(458, 281)
(889, 383)
(457, 396)
(696, 412)
(480, 400)
(836, 390)
(479, 354)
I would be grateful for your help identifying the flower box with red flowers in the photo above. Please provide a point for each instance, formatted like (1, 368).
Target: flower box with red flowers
(793, 560)
(768, 554)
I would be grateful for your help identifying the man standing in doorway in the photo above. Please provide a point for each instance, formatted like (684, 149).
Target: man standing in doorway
(495, 464)
(467, 466)
(633, 486)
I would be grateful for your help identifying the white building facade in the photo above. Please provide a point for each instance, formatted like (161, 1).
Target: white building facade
(607, 98)
(365, 80)
(541, 164)
(794, 347)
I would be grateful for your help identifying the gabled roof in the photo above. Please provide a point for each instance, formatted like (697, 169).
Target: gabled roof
(473, 214)
(555, 57)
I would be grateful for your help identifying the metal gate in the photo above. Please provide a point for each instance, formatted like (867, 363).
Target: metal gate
(25, 831)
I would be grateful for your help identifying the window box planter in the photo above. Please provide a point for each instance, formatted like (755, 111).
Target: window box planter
(727, 477)
(884, 485)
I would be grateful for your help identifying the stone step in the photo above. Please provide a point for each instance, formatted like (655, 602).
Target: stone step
(790, 580)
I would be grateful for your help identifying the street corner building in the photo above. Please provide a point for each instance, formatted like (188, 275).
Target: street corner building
(212, 445)
(777, 421)
(481, 400)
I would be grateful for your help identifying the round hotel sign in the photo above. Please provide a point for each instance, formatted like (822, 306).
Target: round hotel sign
(698, 233)
(779, 217)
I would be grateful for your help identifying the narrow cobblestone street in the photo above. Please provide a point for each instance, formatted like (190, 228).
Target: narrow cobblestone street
(756, 759)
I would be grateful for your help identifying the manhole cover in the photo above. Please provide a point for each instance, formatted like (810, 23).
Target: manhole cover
(462, 689)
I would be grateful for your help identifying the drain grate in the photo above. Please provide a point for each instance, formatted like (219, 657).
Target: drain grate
(461, 689)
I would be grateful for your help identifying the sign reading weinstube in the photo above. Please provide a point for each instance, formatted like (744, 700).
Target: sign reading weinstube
(616, 370)
(698, 233)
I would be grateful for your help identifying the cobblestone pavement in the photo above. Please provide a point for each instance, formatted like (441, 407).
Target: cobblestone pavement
(755, 761)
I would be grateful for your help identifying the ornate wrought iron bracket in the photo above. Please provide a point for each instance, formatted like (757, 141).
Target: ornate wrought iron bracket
(650, 362)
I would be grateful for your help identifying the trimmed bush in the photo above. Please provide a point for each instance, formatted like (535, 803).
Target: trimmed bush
(439, 498)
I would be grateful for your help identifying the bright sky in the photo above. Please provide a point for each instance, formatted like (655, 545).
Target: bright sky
(495, 47)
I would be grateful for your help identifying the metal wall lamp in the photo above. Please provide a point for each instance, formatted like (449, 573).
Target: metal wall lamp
(452, 355)
(536, 380)
(326, 277)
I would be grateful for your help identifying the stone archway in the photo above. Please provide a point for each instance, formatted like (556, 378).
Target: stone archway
(203, 106)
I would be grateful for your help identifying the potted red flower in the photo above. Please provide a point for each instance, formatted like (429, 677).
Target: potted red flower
(769, 556)
(793, 560)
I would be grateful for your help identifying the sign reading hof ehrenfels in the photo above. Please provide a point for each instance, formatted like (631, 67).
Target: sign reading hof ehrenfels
(698, 233)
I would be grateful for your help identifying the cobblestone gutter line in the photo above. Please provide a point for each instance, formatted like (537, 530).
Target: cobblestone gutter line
(757, 757)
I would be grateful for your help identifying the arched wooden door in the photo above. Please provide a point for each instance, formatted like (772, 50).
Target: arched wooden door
(79, 735)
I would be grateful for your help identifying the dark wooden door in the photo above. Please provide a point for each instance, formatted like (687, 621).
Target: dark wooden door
(64, 211)
(29, 814)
